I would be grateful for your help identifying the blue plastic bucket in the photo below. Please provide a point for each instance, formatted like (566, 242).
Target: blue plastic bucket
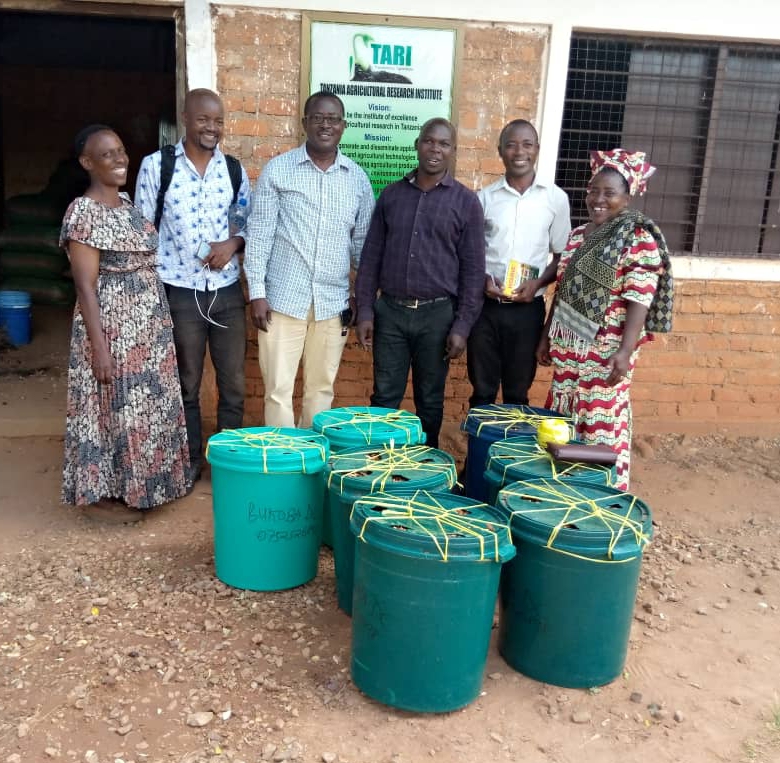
(567, 598)
(523, 459)
(427, 567)
(353, 474)
(267, 500)
(486, 425)
(16, 316)
(362, 426)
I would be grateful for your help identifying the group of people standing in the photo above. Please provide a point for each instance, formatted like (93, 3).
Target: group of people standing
(428, 271)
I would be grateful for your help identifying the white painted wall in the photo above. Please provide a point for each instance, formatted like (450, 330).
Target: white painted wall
(747, 21)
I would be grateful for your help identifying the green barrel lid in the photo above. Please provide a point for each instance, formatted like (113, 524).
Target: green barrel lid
(594, 522)
(383, 467)
(362, 425)
(268, 450)
(432, 525)
(502, 420)
(522, 458)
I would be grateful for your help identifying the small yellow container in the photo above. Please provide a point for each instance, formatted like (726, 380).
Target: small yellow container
(553, 430)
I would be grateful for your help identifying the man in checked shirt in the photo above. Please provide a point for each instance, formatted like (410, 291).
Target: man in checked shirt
(309, 218)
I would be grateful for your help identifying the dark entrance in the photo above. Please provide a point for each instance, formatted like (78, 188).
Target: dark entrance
(59, 73)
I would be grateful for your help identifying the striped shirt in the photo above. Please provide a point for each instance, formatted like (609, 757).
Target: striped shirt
(306, 228)
(195, 211)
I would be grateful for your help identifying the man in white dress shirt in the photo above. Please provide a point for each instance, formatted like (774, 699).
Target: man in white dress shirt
(310, 213)
(526, 220)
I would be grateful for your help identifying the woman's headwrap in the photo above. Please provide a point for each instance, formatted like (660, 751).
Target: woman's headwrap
(634, 167)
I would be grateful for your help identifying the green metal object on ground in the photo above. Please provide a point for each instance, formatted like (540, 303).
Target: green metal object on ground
(361, 426)
(426, 576)
(267, 485)
(522, 459)
(567, 599)
(353, 474)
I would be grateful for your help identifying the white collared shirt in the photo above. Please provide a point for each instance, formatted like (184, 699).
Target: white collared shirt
(523, 226)
(306, 227)
(195, 211)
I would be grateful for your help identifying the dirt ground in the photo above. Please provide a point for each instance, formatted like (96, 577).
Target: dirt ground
(117, 641)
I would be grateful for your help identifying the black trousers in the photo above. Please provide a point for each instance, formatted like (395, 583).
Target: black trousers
(227, 348)
(416, 337)
(502, 351)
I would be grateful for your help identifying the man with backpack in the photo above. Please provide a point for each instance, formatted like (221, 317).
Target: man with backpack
(198, 198)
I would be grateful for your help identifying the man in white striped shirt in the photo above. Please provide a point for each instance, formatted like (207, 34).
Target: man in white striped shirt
(310, 213)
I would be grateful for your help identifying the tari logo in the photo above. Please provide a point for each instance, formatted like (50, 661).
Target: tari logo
(369, 56)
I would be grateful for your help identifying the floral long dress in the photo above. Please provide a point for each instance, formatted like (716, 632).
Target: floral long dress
(602, 414)
(127, 439)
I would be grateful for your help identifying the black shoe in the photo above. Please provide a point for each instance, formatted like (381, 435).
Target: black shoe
(192, 475)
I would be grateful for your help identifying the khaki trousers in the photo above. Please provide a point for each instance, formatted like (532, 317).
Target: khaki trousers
(280, 349)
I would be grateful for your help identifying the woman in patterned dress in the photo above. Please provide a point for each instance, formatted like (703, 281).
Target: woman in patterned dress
(614, 287)
(125, 435)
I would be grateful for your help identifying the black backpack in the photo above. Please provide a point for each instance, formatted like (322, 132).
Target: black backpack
(167, 162)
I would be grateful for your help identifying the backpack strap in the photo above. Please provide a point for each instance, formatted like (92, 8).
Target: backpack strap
(234, 170)
(167, 162)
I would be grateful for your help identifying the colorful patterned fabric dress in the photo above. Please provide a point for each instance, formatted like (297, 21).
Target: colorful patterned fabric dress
(602, 414)
(127, 439)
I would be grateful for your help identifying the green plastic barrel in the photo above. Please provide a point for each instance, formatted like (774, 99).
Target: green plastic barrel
(487, 424)
(267, 500)
(361, 426)
(567, 599)
(353, 474)
(519, 459)
(427, 567)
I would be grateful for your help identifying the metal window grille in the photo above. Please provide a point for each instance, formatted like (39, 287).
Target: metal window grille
(708, 117)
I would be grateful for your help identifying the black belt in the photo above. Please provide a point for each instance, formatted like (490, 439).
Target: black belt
(508, 300)
(414, 303)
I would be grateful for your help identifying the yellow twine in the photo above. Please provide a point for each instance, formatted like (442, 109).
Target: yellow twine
(392, 460)
(508, 418)
(269, 440)
(364, 421)
(424, 509)
(508, 459)
(577, 508)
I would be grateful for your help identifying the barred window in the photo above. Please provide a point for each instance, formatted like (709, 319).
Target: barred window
(708, 117)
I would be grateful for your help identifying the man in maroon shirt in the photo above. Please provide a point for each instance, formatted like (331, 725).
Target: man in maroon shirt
(425, 255)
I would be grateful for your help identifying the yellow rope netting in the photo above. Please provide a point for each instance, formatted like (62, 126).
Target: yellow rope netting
(272, 441)
(578, 507)
(386, 462)
(364, 423)
(425, 513)
(508, 455)
(508, 418)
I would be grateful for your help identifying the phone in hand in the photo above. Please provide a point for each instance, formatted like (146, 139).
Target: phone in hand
(204, 250)
(346, 320)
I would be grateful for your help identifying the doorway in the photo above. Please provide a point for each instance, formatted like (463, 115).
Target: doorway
(60, 72)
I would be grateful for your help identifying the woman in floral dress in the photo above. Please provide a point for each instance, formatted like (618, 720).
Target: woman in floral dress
(125, 436)
(614, 287)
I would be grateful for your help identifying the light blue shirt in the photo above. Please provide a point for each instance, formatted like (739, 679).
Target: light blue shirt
(306, 227)
(195, 211)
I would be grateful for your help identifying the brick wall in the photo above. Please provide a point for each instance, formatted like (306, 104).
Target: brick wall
(721, 365)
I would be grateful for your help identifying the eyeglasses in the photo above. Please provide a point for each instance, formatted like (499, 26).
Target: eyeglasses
(323, 119)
